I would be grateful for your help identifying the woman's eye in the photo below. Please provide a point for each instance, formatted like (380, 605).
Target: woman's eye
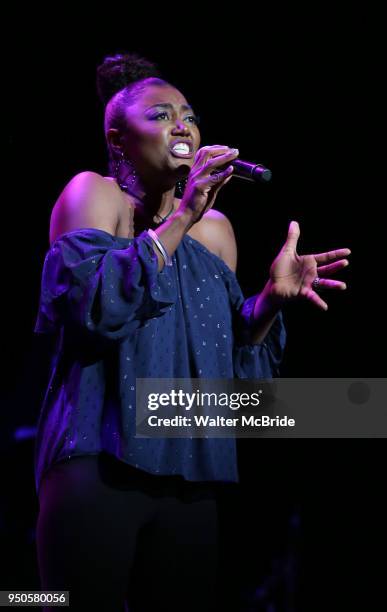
(192, 118)
(160, 115)
(195, 119)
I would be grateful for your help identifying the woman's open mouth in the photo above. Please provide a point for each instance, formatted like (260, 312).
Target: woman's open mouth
(181, 149)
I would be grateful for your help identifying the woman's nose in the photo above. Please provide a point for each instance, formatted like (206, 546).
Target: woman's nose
(181, 126)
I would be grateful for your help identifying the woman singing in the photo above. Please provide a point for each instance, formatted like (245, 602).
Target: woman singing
(139, 283)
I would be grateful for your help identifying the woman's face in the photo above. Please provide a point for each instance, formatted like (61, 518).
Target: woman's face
(160, 117)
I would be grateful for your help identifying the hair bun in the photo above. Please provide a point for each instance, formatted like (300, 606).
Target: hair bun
(120, 70)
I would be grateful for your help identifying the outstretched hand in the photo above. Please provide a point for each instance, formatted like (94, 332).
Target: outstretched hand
(294, 276)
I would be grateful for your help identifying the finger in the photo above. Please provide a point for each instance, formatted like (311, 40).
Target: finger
(293, 236)
(216, 178)
(214, 192)
(228, 179)
(331, 255)
(220, 183)
(312, 296)
(221, 160)
(224, 182)
(220, 176)
(208, 152)
(327, 283)
(332, 268)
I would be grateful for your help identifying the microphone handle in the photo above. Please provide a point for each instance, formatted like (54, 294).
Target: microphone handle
(250, 172)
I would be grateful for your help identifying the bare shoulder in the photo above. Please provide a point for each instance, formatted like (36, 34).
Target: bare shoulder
(215, 231)
(217, 221)
(88, 200)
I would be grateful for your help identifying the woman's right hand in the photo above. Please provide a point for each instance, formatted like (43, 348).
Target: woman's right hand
(202, 187)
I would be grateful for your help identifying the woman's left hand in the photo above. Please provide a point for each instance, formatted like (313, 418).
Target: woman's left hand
(292, 275)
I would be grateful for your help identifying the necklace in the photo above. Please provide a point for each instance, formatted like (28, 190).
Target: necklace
(126, 188)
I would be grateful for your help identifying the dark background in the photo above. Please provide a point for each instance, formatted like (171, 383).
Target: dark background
(300, 91)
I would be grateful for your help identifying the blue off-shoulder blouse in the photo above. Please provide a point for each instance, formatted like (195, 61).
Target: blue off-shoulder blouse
(117, 318)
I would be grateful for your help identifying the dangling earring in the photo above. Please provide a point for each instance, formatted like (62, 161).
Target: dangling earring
(132, 173)
(180, 187)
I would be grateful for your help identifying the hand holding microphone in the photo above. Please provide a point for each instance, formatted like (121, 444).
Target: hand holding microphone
(213, 167)
(211, 170)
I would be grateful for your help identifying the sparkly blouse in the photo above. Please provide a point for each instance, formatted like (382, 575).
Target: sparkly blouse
(117, 317)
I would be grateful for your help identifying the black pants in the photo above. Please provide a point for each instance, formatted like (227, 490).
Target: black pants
(121, 539)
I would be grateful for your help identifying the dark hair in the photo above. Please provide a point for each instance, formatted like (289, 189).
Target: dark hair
(120, 79)
(119, 71)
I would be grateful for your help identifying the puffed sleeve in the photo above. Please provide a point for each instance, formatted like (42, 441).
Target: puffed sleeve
(260, 360)
(103, 287)
(253, 360)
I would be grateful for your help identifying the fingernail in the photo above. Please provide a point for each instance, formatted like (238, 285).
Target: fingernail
(235, 151)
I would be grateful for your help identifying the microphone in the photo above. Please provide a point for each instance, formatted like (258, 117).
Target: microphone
(250, 172)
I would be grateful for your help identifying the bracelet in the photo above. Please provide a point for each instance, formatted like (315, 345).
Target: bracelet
(167, 258)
